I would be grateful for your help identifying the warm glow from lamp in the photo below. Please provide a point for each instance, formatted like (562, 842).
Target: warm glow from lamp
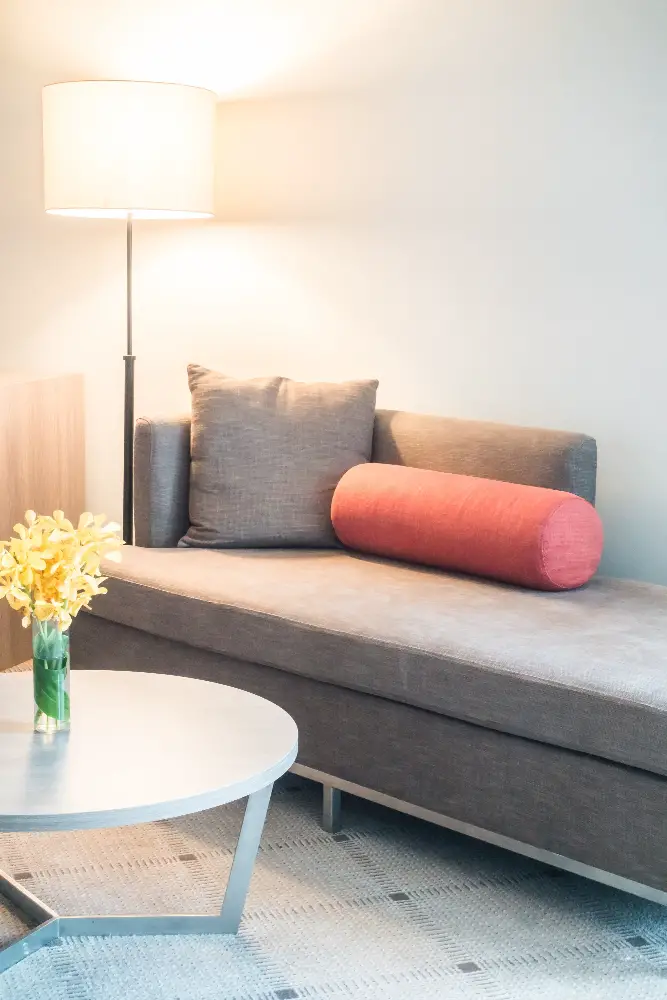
(114, 149)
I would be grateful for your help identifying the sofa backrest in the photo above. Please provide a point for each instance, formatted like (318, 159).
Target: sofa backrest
(559, 460)
(555, 459)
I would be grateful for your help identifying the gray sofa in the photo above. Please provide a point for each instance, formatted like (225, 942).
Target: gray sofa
(533, 720)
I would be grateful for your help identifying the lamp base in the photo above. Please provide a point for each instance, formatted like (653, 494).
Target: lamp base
(128, 456)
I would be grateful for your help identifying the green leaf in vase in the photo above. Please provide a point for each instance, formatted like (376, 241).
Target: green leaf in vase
(49, 683)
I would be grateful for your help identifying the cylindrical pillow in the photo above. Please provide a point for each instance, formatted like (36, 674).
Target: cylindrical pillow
(534, 537)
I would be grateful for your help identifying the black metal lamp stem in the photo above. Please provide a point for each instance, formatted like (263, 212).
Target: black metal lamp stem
(128, 434)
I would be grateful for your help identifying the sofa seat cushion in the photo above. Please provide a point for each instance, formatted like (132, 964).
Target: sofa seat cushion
(585, 669)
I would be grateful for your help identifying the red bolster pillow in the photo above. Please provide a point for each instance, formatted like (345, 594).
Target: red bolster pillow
(527, 535)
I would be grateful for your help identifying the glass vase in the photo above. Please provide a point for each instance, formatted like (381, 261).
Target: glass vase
(50, 674)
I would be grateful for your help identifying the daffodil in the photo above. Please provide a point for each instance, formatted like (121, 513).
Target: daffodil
(50, 569)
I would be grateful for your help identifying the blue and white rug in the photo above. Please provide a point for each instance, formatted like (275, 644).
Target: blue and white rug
(391, 909)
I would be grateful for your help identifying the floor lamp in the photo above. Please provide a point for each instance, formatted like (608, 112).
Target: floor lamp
(128, 150)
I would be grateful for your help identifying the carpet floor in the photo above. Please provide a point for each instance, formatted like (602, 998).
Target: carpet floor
(391, 908)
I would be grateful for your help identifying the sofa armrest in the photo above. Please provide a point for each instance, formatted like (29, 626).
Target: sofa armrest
(161, 481)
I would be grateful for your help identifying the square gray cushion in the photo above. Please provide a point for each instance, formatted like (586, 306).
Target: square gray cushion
(267, 454)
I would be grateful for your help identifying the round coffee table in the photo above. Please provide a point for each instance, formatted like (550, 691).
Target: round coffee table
(141, 747)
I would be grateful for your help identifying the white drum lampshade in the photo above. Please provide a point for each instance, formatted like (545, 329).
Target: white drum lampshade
(119, 149)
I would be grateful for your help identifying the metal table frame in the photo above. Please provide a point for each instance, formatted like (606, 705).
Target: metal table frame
(52, 926)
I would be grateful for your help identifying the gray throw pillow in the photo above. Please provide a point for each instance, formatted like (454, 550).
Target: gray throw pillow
(267, 454)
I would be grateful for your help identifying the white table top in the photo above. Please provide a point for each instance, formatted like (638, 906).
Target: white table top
(141, 747)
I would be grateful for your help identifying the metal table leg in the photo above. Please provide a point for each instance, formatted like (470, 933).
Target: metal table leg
(238, 882)
(53, 926)
(46, 918)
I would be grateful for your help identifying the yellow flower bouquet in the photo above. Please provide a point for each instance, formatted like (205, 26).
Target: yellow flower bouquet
(48, 572)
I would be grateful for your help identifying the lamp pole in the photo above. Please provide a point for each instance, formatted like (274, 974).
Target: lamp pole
(128, 435)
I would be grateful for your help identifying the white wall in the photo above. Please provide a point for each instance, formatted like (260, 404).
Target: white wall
(464, 198)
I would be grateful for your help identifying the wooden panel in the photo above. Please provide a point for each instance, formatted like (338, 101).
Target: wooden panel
(41, 467)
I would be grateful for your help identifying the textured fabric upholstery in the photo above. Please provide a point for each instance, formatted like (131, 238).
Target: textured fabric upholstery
(545, 539)
(161, 480)
(266, 455)
(599, 813)
(583, 669)
(558, 460)
(555, 459)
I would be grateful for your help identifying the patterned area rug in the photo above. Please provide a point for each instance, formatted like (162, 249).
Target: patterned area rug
(391, 908)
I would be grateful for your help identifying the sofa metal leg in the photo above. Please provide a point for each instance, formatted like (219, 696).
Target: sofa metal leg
(331, 809)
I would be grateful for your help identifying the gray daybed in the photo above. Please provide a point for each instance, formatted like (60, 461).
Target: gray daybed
(535, 721)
